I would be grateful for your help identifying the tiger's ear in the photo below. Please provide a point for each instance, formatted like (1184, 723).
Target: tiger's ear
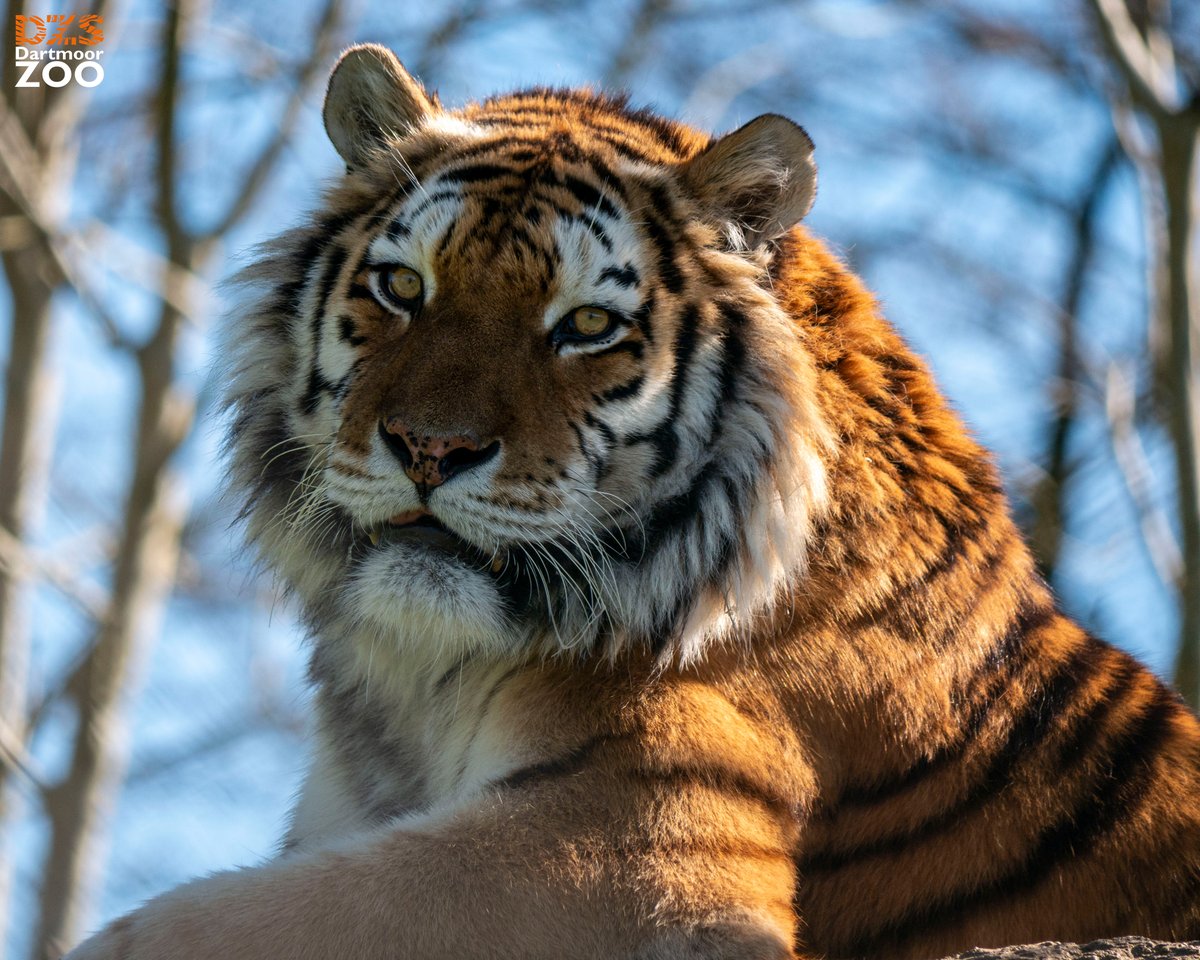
(372, 98)
(757, 182)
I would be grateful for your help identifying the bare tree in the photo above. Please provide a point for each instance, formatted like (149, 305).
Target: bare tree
(1150, 79)
(36, 129)
(39, 131)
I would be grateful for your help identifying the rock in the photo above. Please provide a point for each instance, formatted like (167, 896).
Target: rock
(1119, 948)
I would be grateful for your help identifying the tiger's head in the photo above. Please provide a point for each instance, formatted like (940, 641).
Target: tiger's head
(522, 380)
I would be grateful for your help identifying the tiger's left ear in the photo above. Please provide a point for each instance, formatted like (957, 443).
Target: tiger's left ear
(372, 98)
(757, 182)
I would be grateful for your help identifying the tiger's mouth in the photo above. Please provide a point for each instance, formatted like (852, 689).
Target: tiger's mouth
(420, 528)
(414, 555)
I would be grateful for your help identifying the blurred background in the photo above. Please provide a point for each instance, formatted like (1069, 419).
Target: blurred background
(1017, 180)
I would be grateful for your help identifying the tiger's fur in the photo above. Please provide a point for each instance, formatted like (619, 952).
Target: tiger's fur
(765, 669)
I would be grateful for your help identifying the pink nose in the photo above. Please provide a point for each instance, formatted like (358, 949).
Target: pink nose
(431, 461)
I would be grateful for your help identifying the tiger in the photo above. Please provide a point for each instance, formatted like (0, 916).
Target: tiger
(659, 604)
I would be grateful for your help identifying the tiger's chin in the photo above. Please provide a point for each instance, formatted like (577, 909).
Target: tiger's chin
(422, 588)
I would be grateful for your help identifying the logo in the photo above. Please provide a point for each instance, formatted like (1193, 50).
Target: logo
(59, 48)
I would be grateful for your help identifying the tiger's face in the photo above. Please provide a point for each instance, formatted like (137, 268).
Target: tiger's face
(503, 379)
(527, 377)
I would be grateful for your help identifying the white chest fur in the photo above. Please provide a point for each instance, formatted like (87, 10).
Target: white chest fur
(407, 734)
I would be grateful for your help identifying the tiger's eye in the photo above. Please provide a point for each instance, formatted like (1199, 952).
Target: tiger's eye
(591, 321)
(404, 284)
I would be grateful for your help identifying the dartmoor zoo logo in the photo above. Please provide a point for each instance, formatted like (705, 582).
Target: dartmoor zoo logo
(58, 49)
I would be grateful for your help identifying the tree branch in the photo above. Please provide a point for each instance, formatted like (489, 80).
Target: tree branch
(1048, 497)
(1120, 411)
(1151, 81)
(324, 45)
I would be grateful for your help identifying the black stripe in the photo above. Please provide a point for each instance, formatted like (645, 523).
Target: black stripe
(518, 236)
(453, 672)
(481, 713)
(287, 297)
(634, 348)
(667, 132)
(589, 196)
(1086, 730)
(493, 219)
(539, 114)
(959, 536)
(726, 547)
(327, 228)
(359, 291)
(593, 460)
(433, 198)
(486, 703)
(733, 360)
(360, 727)
(598, 232)
(641, 318)
(625, 276)
(670, 515)
(1010, 652)
(561, 211)
(336, 259)
(518, 592)
(286, 461)
(249, 409)
(1117, 791)
(605, 174)
(499, 144)
(985, 574)
(620, 392)
(668, 270)
(476, 173)
(1033, 727)
(625, 147)
(718, 779)
(610, 440)
(665, 437)
(340, 388)
(572, 762)
(346, 332)
(317, 385)
(601, 427)
(325, 239)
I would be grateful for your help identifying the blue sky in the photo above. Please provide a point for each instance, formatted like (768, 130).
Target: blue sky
(872, 83)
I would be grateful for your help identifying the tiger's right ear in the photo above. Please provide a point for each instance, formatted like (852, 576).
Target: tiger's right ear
(371, 99)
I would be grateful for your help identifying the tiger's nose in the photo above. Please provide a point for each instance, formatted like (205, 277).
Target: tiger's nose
(431, 461)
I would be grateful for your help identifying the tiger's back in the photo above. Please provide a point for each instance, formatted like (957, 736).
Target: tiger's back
(1004, 776)
(660, 606)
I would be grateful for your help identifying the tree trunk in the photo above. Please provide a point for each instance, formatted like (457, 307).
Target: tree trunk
(81, 806)
(24, 461)
(29, 397)
(1178, 135)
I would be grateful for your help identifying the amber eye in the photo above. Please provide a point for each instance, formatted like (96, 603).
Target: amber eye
(403, 283)
(591, 322)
